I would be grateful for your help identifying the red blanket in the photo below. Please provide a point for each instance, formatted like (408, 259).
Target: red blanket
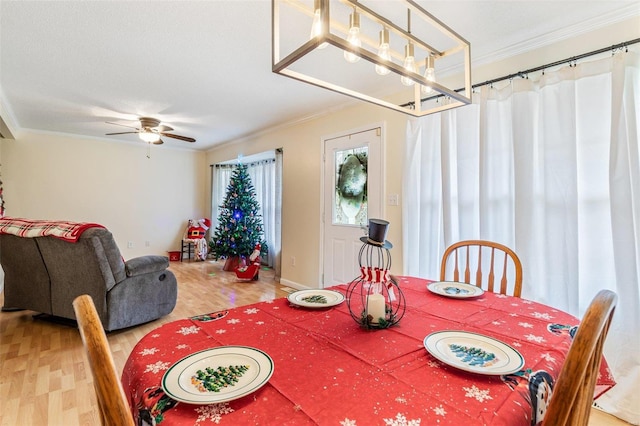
(67, 231)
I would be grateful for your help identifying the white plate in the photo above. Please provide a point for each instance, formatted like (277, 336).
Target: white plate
(177, 381)
(316, 298)
(452, 348)
(455, 290)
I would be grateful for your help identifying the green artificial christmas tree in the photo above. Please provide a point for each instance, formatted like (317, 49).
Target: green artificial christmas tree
(239, 224)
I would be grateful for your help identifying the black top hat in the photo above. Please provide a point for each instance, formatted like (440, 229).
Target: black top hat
(377, 234)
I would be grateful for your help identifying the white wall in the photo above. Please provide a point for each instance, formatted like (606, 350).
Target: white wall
(138, 199)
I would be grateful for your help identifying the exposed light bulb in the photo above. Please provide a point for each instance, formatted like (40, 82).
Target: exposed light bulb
(354, 37)
(316, 28)
(383, 51)
(409, 64)
(149, 136)
(429, 74)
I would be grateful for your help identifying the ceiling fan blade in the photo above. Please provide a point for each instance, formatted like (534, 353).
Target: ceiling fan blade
(120, 133)
(182, 138)
(123, 125)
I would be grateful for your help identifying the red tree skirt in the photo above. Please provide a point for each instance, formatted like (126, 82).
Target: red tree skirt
(232, 263)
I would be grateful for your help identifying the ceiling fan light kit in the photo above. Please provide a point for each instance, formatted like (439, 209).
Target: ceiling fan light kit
(149, 136)
(405, 50)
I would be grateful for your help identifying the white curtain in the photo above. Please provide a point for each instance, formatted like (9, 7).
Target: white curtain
(276, 247)
(263, 177)
(219, 181)
(550, 168)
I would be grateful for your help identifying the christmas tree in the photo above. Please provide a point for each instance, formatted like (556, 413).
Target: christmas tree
(239, 224)
(473, 356)
(215, 380)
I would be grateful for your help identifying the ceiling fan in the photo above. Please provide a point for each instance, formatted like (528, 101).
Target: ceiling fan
(151, 130)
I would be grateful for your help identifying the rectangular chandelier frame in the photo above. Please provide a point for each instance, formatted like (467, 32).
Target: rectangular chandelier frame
(335, 32)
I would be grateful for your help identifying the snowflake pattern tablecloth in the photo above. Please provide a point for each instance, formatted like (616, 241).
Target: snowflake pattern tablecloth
(330, 371)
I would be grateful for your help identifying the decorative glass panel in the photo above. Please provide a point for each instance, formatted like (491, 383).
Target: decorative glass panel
(350, 198)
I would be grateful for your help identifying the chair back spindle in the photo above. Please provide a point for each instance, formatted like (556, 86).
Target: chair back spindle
(467, 269)
(503, 282)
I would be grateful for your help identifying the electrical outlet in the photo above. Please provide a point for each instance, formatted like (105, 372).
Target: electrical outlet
(393, 199)
(147, 244)
(293, 261)
(130, 244)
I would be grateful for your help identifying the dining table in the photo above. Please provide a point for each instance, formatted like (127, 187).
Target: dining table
(487, 359)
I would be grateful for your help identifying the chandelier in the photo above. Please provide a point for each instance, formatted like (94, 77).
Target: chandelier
(391, 53)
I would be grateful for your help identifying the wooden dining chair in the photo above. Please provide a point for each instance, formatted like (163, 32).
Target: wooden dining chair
(573, 391)
(488, 259)
(112, 402)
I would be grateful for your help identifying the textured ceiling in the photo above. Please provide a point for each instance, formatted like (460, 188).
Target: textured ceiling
(204, 67)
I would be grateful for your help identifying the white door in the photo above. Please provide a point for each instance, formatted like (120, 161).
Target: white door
(352, 195)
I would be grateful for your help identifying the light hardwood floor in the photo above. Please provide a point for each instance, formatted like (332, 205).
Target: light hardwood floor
(44, 378)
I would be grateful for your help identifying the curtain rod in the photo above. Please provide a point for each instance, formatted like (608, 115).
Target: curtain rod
(253, 163)
(524, 73)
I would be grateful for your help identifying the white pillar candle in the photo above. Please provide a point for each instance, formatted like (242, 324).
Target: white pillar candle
(375, 307)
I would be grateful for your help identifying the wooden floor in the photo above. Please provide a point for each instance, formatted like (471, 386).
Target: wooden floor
(44, 379)
(43, 375)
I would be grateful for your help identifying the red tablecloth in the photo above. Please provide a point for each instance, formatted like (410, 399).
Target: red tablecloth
(330, 371)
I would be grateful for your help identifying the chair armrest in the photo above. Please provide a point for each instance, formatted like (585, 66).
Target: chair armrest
(145, 264)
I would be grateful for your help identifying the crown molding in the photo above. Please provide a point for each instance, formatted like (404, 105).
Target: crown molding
(604, 20)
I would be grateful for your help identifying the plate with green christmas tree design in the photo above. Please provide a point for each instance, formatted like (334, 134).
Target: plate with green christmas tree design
(316, 298)
(217, 375)
(474, 352)
(455, 289)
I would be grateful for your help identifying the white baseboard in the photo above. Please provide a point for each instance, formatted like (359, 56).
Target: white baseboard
(293, 284)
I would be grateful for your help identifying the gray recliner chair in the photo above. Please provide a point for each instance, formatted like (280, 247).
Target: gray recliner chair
(45, 274)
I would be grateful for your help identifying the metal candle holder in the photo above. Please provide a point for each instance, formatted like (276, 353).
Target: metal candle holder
(374, 298)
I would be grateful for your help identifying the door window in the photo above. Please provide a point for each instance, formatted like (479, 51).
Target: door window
(350, 195)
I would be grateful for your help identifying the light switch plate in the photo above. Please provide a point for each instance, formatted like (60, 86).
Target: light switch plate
(393, 200)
